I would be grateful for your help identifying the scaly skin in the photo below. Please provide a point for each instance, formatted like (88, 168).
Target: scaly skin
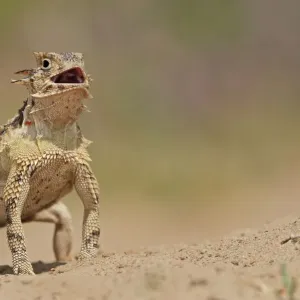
(42, 160)
(58, 214)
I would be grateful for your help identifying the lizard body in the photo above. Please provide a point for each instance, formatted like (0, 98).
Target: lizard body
(45, 156)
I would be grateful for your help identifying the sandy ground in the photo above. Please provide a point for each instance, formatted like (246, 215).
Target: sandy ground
(243, 265)
(160, 253)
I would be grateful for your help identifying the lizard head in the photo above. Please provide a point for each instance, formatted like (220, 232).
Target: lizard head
(56, 74)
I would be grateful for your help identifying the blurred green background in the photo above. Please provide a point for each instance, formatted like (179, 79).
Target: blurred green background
(196, 103)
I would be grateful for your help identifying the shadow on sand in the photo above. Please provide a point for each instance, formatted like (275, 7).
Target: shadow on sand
(38, 267)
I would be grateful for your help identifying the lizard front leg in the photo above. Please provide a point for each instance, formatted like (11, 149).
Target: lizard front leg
(87, 188)
(14, 195)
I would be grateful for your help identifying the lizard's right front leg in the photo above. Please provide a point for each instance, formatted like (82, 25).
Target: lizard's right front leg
(14, 195)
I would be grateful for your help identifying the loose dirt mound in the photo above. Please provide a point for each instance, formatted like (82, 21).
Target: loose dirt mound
(244, 265)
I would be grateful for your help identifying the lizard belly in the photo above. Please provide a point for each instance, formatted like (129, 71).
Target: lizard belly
(47, 185)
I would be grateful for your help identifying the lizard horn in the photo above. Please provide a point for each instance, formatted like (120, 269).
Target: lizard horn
(18, 81)
(26, 72)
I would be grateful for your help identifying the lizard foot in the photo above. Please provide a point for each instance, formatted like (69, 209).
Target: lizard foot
(24, 269)
(85, 256)
(66, 259)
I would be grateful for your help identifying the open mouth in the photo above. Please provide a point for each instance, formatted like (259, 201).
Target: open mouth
(74, 75)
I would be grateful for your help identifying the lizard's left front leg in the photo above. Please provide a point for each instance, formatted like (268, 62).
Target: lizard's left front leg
(87, 188)
(14, 195)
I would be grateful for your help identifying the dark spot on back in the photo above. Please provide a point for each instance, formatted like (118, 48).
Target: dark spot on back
(18, 119)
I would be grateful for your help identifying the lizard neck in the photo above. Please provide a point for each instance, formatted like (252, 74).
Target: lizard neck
(64, 137)
(55, 119)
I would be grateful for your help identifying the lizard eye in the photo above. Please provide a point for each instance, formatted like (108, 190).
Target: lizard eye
(46, 64)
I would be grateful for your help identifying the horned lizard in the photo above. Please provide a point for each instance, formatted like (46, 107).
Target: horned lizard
(45, 156)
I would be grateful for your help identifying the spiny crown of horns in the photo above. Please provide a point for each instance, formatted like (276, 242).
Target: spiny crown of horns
(56, 73)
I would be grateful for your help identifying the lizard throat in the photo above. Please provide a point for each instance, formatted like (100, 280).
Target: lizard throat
(55, 118)
(74, 75)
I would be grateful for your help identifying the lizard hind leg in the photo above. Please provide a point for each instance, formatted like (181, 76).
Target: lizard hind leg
(59, 215)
